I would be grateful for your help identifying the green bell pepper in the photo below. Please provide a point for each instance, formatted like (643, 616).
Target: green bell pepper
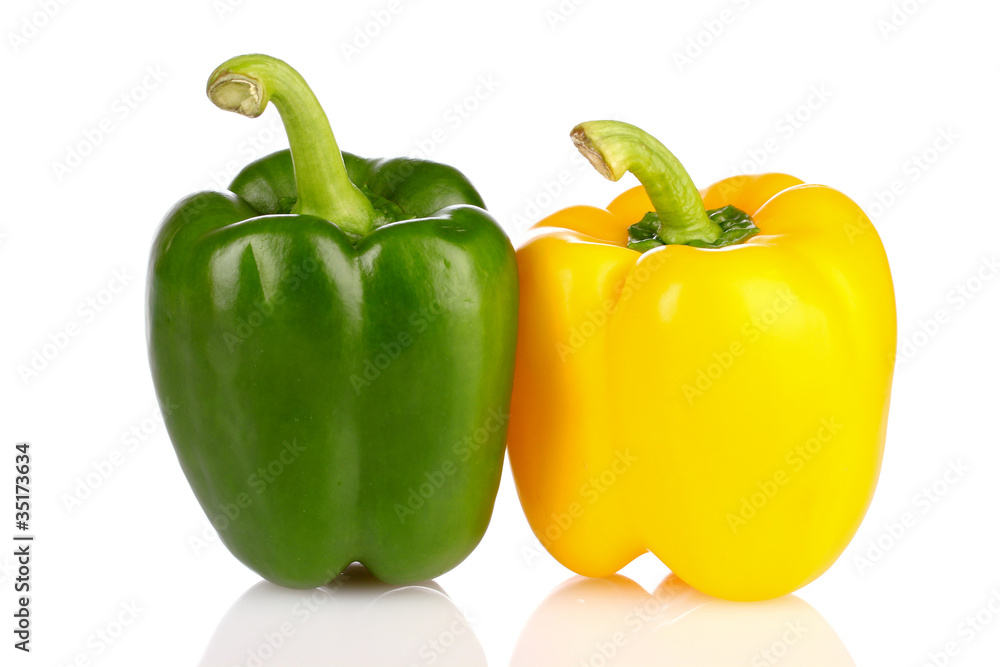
(335, 339)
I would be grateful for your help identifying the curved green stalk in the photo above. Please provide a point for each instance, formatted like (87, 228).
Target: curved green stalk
(614, 147)
(245, 85)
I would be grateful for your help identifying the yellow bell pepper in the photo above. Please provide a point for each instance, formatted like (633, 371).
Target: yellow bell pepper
(717, 395)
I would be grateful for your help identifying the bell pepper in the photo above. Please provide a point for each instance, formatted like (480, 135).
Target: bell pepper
(703, 375)
(335, 337)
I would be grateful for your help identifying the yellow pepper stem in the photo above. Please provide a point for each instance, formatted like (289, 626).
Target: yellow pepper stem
(614, 148)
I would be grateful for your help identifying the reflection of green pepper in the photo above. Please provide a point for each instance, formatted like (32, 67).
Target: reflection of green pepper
(340, 344)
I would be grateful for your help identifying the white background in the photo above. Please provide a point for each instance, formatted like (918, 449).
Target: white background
(835, 93)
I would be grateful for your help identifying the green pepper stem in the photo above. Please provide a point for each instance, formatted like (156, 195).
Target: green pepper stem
(244, 85)
(614, 148)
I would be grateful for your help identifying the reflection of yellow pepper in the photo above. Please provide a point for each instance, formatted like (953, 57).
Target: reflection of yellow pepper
(615, 621)
(723, 407)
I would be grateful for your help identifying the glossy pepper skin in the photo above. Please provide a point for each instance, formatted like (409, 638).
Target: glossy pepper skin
(723, 408)
(338, 358)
